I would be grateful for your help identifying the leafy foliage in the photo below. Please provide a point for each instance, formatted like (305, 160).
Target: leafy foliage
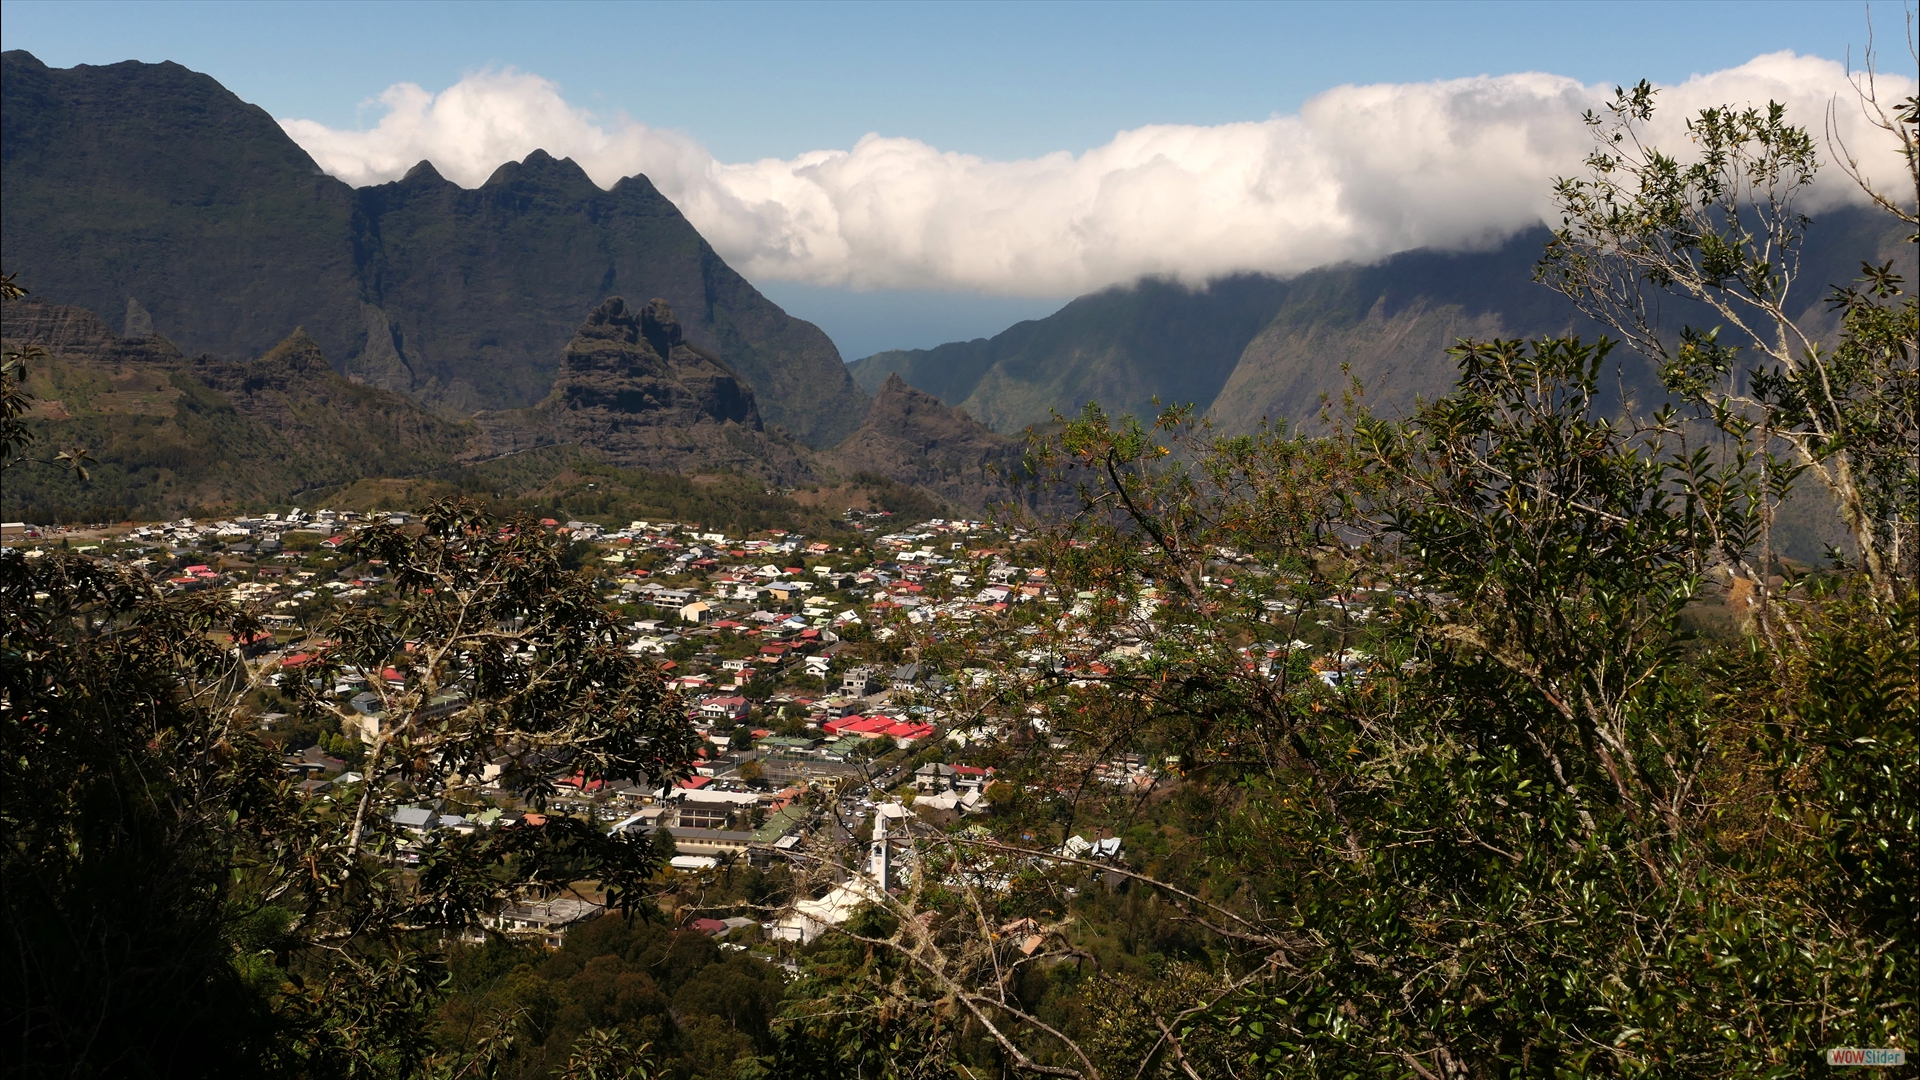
(156, 846)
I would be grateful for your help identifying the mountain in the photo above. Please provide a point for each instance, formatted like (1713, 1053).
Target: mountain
(152, 194)
(171, 434)
(632, 388)
(910, 437)
(634, 391)
(1254, 347)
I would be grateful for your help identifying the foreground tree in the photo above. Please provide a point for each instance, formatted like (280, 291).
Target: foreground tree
(173, 906)
(1722, 227)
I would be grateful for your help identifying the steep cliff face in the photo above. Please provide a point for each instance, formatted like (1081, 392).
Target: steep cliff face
(909, 436)
(471, 294)
(633, 389)
(150, 190)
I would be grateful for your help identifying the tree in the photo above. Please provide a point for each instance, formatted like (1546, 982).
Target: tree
(16, 438)
(1724, 229)
(1533, 828)
(132, 766)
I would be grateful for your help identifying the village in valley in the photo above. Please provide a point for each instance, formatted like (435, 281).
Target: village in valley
(812, 669)
(767, 641)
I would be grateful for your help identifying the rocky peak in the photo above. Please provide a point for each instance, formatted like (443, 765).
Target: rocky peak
(54, 326)
(912, 437)
(296, 365)
(632, 387)
(68, 330)
(613, 322)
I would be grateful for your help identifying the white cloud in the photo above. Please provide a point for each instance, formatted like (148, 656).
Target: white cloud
(1359, 173)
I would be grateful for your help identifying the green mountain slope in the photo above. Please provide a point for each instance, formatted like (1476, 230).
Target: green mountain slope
(150, 193)
(171, 435)
(1254, 347)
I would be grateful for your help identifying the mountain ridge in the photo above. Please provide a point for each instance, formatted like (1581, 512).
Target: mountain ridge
(153, 190)
(632, 388)
(1272, 347)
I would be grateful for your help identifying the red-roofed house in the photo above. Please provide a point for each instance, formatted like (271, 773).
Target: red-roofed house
(724, 708)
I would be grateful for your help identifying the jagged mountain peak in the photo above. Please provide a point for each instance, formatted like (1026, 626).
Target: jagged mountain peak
(632, 388)
(654, 324)
(423, 173)
(541, 166)
(297, 352)
(228, 234)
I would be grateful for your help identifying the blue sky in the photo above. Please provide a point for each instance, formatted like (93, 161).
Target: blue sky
(1001, 81)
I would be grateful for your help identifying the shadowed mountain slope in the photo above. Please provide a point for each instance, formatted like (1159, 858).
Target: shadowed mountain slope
(1249, 348)
(909, 436)
(151, 194)
(631, 388)
(169, 434)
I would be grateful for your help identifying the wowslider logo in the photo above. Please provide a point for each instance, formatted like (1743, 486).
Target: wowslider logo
(1855, 1056)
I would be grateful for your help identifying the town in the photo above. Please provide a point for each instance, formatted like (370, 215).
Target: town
(801, 663)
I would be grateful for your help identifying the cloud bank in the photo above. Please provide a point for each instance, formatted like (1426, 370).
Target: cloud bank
(1359, 173)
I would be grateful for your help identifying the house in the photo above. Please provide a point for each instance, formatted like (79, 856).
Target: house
(859, 681)
(932, 777)
(935, 777)
(546, 921)
(724, 709)
(697, 612)
(906, 676)
(416, 819)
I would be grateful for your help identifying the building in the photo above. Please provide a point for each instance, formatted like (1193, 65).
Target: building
(935, 776)
(546, 921)
(719, 710)
(859, 681)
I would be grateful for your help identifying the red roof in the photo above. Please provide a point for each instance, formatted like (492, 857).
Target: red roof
(579, 780)
(548, 522)
(708, 926)
(694, 782)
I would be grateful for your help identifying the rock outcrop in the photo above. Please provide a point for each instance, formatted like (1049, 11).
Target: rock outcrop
(909, 436)
(170, 433)
(634, 390)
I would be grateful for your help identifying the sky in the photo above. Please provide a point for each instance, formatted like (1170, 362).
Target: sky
(906, 174)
